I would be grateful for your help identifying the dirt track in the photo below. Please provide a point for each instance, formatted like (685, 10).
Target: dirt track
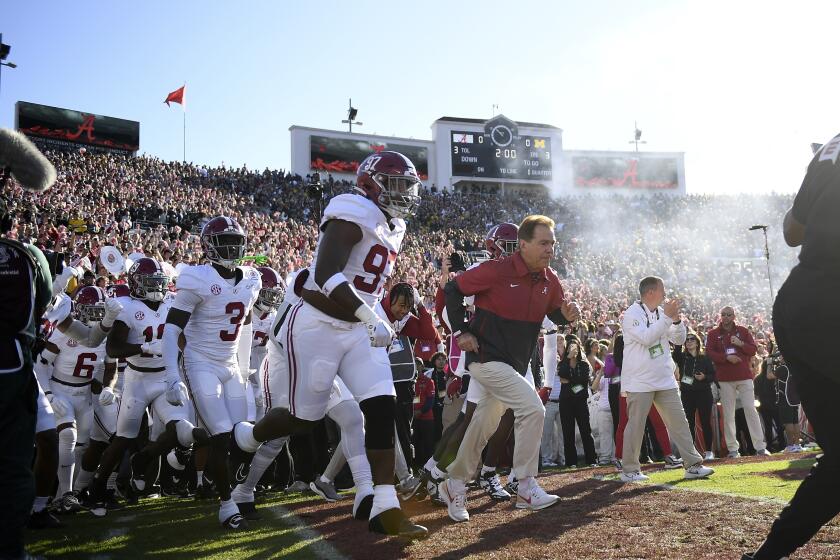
(595, 519)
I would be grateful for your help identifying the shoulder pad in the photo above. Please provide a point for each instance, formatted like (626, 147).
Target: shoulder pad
(191, 279)
(352, 208)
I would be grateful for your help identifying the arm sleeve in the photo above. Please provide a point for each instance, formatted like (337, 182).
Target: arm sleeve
(170, 352)
(677, 333)
(243, 354)
(550, 358)
(88, 336)
(713, 349)
(44, 368)
(637, 330)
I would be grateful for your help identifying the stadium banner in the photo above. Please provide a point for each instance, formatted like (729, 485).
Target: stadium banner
(625, 172)
(66, 128)
(343, 155)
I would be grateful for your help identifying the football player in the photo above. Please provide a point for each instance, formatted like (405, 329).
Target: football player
(136, 337)
(335, 330)
(212, 309)
(271, 296)
(65, 371)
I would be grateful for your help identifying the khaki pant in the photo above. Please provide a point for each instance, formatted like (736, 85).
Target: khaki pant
(505, 389)
(729, 391)
(670, 408)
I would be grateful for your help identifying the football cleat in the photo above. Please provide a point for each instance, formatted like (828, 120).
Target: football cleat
(235, 523)
(393, 522)
(248, 510)
(490, 483)
(362, 506)
(409, 487)
(43, 520)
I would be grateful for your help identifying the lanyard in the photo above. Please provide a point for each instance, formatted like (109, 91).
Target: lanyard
(647, 319)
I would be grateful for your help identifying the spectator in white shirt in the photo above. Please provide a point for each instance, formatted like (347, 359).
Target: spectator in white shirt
(647, 377)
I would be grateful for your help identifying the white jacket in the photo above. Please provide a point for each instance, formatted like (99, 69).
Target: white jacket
(647, 364)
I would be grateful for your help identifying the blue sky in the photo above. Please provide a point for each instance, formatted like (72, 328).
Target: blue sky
(741, 87)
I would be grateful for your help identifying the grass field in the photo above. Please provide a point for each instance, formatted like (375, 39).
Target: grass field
(300, 526)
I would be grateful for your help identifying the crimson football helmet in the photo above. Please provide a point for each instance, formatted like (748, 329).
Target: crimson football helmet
(117, 290)
(223, 241)
(147, 280)
(390, 181)
(502, 240)
(273, 289)
(89, 304)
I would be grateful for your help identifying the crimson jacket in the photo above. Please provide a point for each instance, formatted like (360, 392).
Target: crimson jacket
(718, 343)
(511, 303)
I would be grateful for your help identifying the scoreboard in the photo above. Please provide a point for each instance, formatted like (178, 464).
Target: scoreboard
(500, 152)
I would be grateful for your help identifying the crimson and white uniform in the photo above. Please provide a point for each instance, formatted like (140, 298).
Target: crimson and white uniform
(144, 384)
(218, 307)
(262, 322)
(74, 367)
(318, 346)
(105, 416)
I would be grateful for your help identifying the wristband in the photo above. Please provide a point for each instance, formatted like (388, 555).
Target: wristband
(365, 314)
(333, 282)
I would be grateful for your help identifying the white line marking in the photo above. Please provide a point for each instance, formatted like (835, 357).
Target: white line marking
(308, 537)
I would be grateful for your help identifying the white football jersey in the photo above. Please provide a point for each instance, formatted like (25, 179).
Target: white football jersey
(144, 325)
(289, 300)
(221, 308)
(262, 329)
(75, 363)
(371, 260)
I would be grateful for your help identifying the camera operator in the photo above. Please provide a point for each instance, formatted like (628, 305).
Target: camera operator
(787, 399)
(806, 302)
(26, 281)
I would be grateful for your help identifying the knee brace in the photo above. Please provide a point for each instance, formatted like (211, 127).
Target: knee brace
(380, 414)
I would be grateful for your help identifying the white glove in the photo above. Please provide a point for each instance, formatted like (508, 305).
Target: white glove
(112, 311)
(379, 331)
(176, 395)
(252, 377)
(58, 405)
(59, 309)
(107, 396)
(155, 347)
(259, 399)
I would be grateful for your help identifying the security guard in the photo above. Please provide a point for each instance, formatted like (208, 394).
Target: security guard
(26, 288)
(807, 302)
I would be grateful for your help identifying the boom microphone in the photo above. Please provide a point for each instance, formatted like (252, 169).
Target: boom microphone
(25, 162)
(753, 228)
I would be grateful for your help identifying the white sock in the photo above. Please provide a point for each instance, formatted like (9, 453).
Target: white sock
(66, 460)
(259, 464)
(243, 432)
(82, 480)
(325, 480)
(227, 509)
(384, 498)
(362, 477)
(486, 469)
(430, 464)
(337, 462)
(437, 473)
(40, 503)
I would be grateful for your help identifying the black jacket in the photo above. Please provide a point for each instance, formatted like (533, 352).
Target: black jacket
(579, 375)
(688, 365)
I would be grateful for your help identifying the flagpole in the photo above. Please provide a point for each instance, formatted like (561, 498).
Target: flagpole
(185, 135)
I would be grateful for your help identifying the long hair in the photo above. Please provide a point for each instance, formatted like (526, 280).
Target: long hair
(701, 349)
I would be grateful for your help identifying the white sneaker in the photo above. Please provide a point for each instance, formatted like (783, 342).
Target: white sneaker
(795, 448)
(709, 456)
(762, 453)
(633, 477)
(698, 471)
(535, 498)
(733, 455)
(455, 503)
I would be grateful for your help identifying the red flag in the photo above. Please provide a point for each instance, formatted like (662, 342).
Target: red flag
(176, 96)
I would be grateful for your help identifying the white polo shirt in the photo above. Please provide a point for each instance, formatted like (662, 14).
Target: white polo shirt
(647, 364)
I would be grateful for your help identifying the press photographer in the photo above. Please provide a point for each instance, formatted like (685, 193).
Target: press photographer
(787, 399)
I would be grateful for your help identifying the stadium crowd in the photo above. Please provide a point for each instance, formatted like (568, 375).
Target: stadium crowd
(605, 245)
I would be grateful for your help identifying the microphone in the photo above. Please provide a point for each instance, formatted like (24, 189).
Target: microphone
(753, 228)
(25, 162)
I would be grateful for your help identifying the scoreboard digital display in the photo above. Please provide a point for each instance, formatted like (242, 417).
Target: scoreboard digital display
(500, 152)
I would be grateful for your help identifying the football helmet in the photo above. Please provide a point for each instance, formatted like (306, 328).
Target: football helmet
(390, 181)
(89, 304)
(147, 280)
(273, 289)
(502, 240)
(223, 241)
(117, 290)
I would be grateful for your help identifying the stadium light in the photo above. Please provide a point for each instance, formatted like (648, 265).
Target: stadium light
(4, 53)
(351, 116)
